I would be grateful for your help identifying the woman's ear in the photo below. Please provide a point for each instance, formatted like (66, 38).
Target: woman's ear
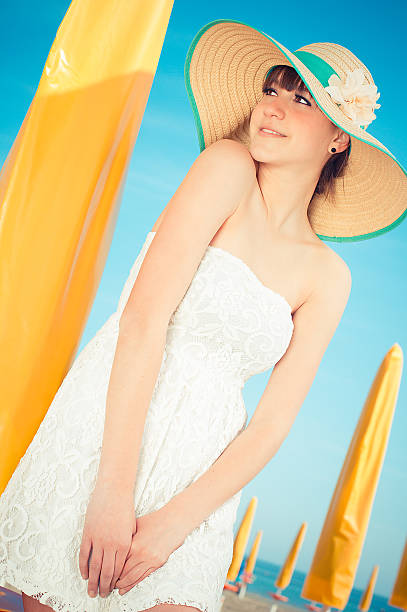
(346, 138)
(341, 141)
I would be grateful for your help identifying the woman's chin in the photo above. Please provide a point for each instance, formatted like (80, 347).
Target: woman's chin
(261, 156)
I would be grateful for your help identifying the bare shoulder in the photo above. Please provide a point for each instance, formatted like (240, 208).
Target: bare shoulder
(221, 175)
(207, 197)
(233, 156)
(335, 273)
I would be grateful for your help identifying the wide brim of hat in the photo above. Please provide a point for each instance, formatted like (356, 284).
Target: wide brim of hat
(224, 70)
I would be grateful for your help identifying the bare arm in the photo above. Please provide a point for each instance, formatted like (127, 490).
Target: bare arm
(209, 194)
(315, 323)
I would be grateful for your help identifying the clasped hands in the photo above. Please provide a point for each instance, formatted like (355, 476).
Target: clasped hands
(123, 549)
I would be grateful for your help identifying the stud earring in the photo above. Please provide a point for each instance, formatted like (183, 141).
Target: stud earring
(333, 150)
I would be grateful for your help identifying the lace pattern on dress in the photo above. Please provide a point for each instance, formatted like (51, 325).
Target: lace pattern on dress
(227, 328)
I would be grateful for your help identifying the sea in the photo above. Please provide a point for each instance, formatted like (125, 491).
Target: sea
(265, 574)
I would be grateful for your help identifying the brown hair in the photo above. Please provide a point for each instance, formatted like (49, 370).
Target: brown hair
(288, 78)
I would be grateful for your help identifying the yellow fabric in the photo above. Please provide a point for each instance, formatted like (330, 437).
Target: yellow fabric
(251, 561)
(241, 540)
(60, 191)
(366, 598)
(331, 576)
(398, 598)
(286, 572)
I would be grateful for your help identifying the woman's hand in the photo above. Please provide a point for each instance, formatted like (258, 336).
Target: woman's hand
(158, 535)
(109, 525)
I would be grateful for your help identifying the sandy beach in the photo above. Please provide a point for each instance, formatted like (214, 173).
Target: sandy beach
(254, 603)
(10, 600)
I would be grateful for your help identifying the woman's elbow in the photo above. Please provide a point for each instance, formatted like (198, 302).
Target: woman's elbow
(136, 321)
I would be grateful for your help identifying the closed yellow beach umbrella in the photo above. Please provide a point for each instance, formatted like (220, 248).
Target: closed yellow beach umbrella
(241, 540)
(252, 558)
(60, 191)
(398, 598)
(284, 577)
(331, 576)
(366, 598)
(247, 574)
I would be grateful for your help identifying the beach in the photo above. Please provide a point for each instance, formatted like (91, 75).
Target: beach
(10, 600)
(252, 602)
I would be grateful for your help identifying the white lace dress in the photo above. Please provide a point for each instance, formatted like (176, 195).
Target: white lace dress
(227, 327)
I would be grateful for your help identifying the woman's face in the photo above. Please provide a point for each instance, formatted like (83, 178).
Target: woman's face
(307, 132)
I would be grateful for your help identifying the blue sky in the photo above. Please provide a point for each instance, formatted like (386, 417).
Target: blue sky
(298, 483)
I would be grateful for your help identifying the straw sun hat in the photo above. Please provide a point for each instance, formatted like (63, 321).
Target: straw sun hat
(225, 68)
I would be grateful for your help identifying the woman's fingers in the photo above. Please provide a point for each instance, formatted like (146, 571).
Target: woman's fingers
(133, 571)
(120, 562)
(136, 575)
(106, 540)
(95, 565)
(102, 569)
(84, 553)
(106, 572)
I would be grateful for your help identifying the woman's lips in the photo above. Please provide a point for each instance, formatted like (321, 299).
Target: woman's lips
(270, 134)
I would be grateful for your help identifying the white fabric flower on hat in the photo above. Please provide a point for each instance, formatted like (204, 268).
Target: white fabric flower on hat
(356, 98)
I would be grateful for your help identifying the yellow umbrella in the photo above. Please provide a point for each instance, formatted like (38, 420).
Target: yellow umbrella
(251, 560)
(241, 539)
(366, 598)
(284, 577)
(336, 558)
(247, 575)
(398, 598)
(60, 191)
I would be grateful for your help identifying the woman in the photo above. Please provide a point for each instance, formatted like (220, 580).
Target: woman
(130, 479)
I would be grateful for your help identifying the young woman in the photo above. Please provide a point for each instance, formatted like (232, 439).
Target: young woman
(129, 489)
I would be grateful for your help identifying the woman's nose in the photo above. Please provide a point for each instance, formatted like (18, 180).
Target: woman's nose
(274, 107)
(273, 111)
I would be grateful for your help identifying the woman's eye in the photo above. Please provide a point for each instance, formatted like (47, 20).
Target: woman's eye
(266, 89)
